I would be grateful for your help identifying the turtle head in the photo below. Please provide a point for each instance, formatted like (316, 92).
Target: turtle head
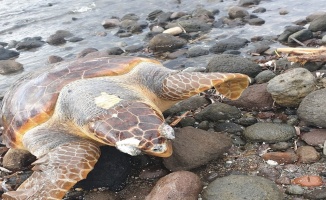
(134, 127)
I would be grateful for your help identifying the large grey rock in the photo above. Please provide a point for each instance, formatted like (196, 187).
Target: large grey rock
(181, 185)
(289, 31)
(241, 187)
(290, 88)
(269, 132)
(318, 24)
(232, 43)
(188, 104)
(233, 64)
(195, 147)
(312, 109)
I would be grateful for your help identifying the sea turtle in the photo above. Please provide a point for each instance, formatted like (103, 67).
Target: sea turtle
(64, 113)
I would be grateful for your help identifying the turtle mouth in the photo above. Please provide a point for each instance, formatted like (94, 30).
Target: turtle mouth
(163, 150)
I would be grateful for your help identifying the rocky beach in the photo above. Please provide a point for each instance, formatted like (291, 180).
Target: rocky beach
(269, 144)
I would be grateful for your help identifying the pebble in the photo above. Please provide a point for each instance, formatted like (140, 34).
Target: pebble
(6, 54)
(228, 127)
(54, 59)
(110, 23)
(181, 185)
(174, 31)
(255, 97)
(283, 11)
(281, 157)
(259, 10)
(195, 147)
(312, 110)
(17, 159)
(59, 37)
(218, 111)
(196, 51)
(10, 66)
(233, 64)
(75, 39)
(308, 181)
(188, 104)
(280, 146)
(134, 48)
(232, 43)
(269, 132)
(194, 25)
(237, 12)
(294, 189)
(301, 35)
(248, 3)
(187, 121)
(319, 193)
(256, 21)
(152, 15)
(289, 30)
(29, 43)
(239, 187)
(264, 76)
(307, 154)
(165, 42)
(289, 88)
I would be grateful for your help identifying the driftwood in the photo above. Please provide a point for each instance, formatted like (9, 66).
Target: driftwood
(303, 55)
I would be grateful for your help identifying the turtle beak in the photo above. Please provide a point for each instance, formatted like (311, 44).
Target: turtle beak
(164, 150)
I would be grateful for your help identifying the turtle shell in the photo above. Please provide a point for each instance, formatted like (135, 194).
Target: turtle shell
(31, 101)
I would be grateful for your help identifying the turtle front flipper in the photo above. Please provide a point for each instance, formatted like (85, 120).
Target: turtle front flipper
(182, 85)
(57, 171)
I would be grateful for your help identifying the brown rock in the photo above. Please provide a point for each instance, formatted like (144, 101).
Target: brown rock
(254, 97)
(17, 159)
(54, 59)
(181, 185)
(165, 42)
(308, 181)
(315, 137)
(281, 157)
(195, 147)
(307, 154)
(10, 66)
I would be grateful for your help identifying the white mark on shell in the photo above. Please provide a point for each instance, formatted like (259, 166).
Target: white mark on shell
(106, 100)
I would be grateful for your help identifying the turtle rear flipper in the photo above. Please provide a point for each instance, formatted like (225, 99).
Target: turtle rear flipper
(185, 84)
(57, 171)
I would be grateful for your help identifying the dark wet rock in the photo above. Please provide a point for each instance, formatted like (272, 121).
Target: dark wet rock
(300, 22)
(307, 154)
(232, 43)
(110, 23)
(302, 35)
(318, 24)
(294, 189)
(29, 43)
(196, 51)
(202, 13)
(233, 63)
(134, 48)
(254, 97)
(163, 18)
(315, 137)
(194, 25)
(288, 157)
(246, 120)
(208, 146)
(86, 51)
(54, 59)
(283, 180)
(59, 37)
(115, 51)
(264, 76)
(152, 15)
(153, 173)
(269, 132)
(17, 159)
(284, 64)
(237, 12)
(176, 54)
(181, 185)
(15, 180)
(187, 121)
(319, 193)
(205, 125)
(258, 47)
(11, 44)
(10, 66)
(75, 39)
(3, 44)
(259, 10)
(192, 103)
(239, 187)
(311, 109)
(130, 16)
(99, 195)
(176, 15)
(130, 26)
(6, 54)
(256, 21)
(165, 42)
(248, 2)
(290, 88)
(268, 172)
(289, 31)
(218, 111)
(113, 161)
(228, 127)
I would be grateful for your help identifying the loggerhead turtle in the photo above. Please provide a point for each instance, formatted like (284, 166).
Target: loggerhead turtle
(64, 113)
